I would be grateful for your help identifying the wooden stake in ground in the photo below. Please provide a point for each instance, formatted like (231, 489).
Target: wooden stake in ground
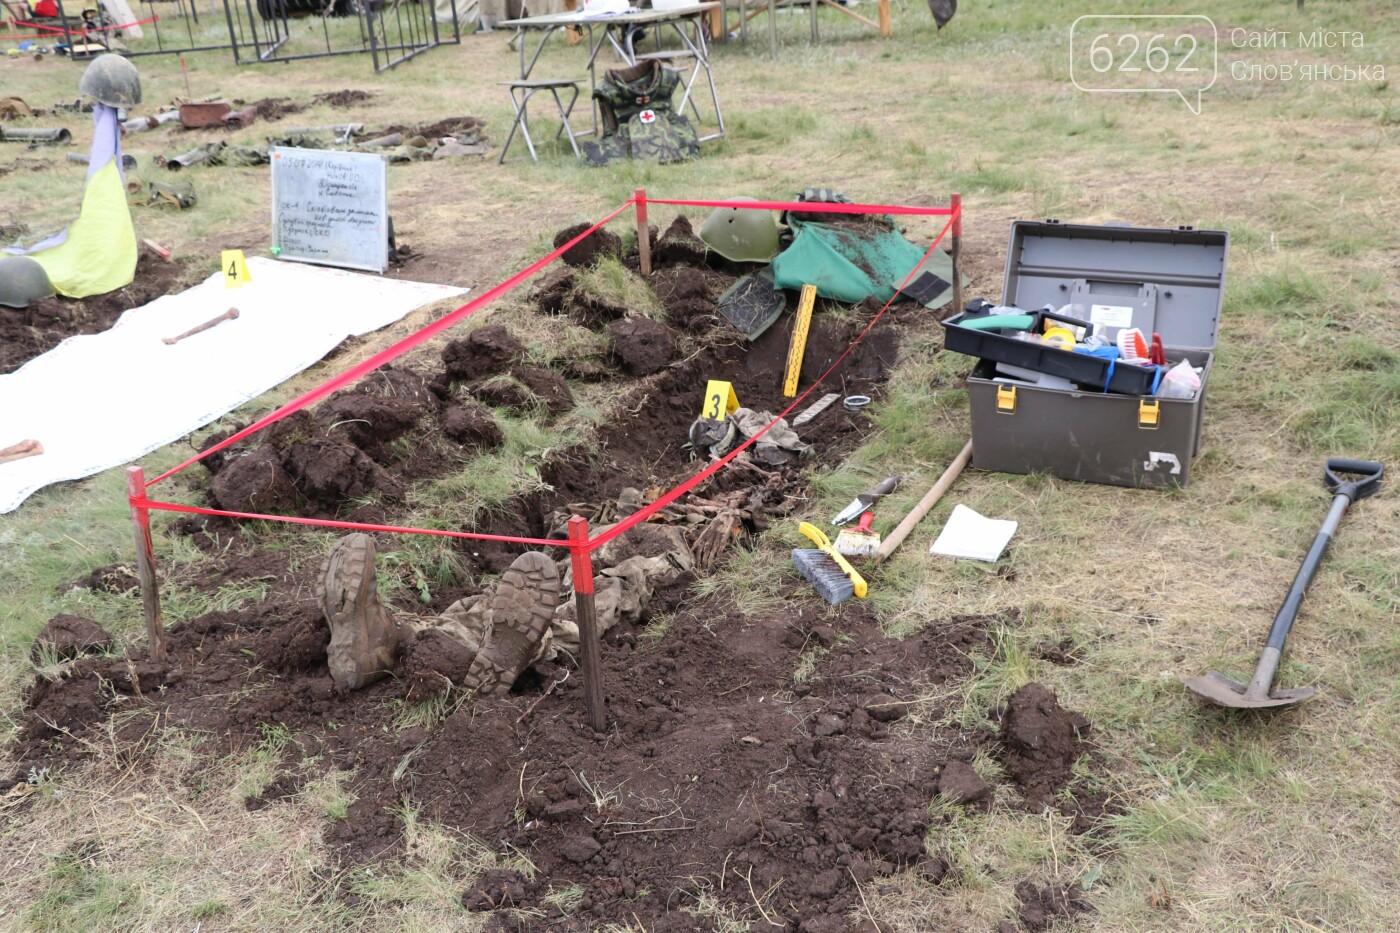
(145, 561)
(956, 250)
(156, 248)
(643, 235)
(591, 658)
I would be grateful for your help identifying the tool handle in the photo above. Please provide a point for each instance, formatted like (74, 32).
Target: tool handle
(1344, 494)
(1288, 612)
(1369, 471)
(823, 543)
(886, 487)
(917, 514)
(999, 322)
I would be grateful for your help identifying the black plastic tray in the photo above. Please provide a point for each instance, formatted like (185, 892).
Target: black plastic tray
(1088, 371)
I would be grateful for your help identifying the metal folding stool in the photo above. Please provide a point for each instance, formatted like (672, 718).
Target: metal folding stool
(520, 94)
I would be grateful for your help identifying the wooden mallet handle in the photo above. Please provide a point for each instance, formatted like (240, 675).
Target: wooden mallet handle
(917, 514)
(229, 315)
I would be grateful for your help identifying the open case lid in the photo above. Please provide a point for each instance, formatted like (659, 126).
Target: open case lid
(1154, 279)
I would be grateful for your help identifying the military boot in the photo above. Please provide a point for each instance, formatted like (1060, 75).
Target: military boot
(365, 636)
(521, 610)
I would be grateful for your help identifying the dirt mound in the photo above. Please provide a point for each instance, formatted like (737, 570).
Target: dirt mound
(641, 345)
(330, 472)
(499, 889)
(587, 309)
(1040, 743)
(472, 426)
(273, 109)
(548, 387)
(378, 411)
(590, 249)
(679, 245)
(452, 126)
(344, 98)
(113, 578)
(54, 708)
(1041, 907)
(59, 318)
(688, 295)
(485, 352)
(433, 663)
(504, 391)
(960, 784)
(368, 421)
(551, 293)
(826, 341)
(215, 461)
(254, 481)
(65, 637)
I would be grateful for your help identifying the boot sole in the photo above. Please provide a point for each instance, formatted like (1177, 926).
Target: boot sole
(521, 611)
(347, 582)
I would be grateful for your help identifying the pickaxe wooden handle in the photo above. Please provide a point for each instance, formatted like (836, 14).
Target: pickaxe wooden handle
(21, 450)
(229, 315)
(917, 513)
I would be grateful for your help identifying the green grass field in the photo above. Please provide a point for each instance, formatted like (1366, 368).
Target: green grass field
(1226, 822)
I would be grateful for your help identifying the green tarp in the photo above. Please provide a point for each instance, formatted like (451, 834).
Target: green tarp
(851, 260)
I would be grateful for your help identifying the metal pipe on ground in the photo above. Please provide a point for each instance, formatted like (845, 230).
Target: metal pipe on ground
(128, 161)
(56, 137)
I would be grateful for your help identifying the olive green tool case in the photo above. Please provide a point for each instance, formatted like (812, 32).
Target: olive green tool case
(1168, 281)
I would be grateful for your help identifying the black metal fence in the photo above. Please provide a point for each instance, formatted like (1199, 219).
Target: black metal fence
(164, 27)
(259, 31)
(391, 31)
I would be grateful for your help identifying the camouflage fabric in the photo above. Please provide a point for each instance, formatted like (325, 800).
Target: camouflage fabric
(179, 195)
(639, 117)
(299, 141)
(407, 153)
(817, 196)
(633, 566)
(244, 155)
(717, 438)
(662, 137)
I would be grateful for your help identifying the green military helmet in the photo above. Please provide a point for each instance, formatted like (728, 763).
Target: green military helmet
(112, 80)
(21, 281)
(741, 235)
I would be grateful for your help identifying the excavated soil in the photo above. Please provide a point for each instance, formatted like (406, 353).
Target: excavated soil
(1041, 907)
(273, 109)
(1041, 741)
(24, 336)
(590, 249)
(717, 771)
(642, 346)
(724, 775)
(346, 98)
(451, 126)
(65, 637)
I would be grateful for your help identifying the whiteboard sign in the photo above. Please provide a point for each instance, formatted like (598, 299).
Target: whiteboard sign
(330, 208)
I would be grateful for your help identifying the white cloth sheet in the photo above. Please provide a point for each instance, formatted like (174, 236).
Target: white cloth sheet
(103, 400)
